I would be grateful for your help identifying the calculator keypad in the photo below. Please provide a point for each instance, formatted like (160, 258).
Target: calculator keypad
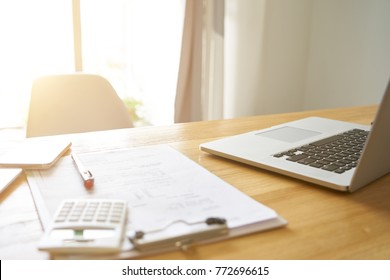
(91, 212)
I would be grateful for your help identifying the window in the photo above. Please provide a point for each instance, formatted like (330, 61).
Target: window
(36, 39)
(135, 44)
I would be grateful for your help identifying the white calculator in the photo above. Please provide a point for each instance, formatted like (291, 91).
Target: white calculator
(86, 226)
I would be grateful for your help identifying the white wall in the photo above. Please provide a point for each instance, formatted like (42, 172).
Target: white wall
(243, 41)
(266, 50)
(283, 56)
(349, 53)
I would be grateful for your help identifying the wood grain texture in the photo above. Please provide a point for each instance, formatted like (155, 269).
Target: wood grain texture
(323, 224)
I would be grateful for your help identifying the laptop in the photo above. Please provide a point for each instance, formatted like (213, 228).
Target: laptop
(339, 155)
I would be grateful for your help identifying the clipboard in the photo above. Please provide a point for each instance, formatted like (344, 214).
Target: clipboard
(172, 236)
(167, 211)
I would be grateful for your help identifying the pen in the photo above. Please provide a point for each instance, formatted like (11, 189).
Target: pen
(85, 174)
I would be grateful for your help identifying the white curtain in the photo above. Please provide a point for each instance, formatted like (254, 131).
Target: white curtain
(188, 97)
(229, 57)
(200, 82)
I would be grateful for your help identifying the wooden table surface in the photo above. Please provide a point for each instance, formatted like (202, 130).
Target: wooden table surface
(323, 224)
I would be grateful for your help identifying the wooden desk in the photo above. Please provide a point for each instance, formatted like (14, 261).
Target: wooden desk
(323, 224)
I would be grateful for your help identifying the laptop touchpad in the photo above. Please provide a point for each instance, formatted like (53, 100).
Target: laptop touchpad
(289, 134)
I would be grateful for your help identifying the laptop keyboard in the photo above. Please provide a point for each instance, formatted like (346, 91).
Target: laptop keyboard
(337, 153)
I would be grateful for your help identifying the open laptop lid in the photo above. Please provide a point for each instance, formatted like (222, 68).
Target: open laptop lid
(375, 158)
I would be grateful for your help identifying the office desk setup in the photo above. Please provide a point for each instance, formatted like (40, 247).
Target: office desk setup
(322, 223)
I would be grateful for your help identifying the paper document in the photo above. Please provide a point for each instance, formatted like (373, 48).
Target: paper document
(161, 185)
(7, 176)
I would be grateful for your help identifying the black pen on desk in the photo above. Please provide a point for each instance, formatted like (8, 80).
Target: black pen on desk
(85, 174)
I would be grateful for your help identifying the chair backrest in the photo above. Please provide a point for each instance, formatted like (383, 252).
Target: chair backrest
(74, 103)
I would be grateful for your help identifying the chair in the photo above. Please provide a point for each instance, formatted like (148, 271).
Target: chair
(74, 103)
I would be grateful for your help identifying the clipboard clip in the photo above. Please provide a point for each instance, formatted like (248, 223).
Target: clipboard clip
(195, 232)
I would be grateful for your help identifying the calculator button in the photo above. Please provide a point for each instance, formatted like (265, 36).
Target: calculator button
(88, 218)
(104, 212)
(60, 219)
(115, 219)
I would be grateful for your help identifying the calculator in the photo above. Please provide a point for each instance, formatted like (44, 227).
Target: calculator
(86, 226)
